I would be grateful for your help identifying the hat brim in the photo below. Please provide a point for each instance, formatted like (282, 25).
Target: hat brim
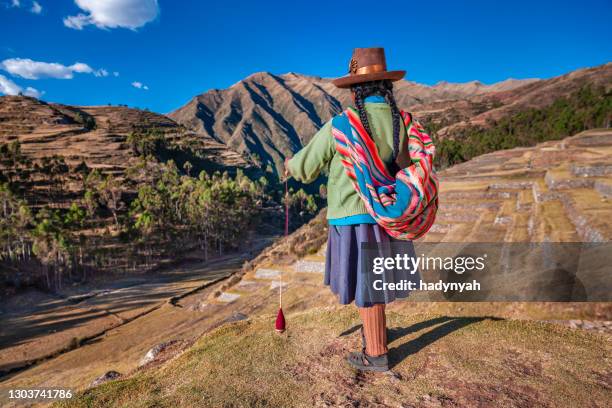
(348, 80)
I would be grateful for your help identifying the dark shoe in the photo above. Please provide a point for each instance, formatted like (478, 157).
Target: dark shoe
(363, 362)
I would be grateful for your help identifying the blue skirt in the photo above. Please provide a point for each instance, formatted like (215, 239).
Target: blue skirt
(343, 269)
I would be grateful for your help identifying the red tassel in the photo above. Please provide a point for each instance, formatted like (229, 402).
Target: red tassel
(280, 321)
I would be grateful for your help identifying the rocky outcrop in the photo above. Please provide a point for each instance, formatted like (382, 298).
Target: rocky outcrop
(155, 351)
(108, 376)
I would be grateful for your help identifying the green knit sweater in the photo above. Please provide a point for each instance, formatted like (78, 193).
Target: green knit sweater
(342, 199)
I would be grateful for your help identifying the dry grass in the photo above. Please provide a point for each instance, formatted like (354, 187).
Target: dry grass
(438, 361)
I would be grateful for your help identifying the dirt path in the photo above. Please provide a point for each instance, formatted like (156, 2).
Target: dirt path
(92, 330)
(36, 325)
(120, 348)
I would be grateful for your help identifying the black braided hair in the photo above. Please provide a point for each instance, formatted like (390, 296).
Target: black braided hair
(385, 89)
(397, 117)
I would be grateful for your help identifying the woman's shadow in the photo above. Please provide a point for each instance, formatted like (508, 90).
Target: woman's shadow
(444, 325)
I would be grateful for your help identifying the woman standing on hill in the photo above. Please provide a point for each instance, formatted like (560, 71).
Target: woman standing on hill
(367, 151)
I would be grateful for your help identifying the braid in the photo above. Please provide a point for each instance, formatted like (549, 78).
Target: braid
(395, 113)
(363, 116)
(383, 88)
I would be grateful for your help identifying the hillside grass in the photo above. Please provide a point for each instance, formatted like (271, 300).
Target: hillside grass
(437, 360)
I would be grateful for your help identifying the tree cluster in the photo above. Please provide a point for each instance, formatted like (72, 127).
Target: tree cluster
(589, 107)
(64, 223)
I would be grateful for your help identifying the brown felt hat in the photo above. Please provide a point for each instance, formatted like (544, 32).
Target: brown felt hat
(367, 64)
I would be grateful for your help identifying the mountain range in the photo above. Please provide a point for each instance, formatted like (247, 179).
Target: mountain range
(264, 118)
(269, 117)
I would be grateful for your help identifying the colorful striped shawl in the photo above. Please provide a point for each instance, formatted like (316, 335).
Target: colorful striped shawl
(404, 205)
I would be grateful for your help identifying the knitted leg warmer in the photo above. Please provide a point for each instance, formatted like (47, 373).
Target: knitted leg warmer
(374, 329)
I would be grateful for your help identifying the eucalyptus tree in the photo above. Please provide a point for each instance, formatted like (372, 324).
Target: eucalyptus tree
(14, 226)
(109, 191)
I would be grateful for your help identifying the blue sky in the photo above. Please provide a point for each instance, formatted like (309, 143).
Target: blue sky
(178, 49)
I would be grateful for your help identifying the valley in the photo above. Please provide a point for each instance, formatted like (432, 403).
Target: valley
(127, 231)
(527, 199)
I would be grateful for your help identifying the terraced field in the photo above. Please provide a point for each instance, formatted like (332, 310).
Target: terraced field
(557, 191)
(96, 135)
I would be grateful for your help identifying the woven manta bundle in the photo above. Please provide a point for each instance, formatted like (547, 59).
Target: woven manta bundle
(404, 205)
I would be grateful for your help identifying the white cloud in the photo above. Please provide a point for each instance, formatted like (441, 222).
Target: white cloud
(8, 87)
(80, 67)
(77, 22)
(115, 74)
(33, 92)
(29, 69)
(36, 8)
(130, 14)
(101, 73)
(140, 85)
